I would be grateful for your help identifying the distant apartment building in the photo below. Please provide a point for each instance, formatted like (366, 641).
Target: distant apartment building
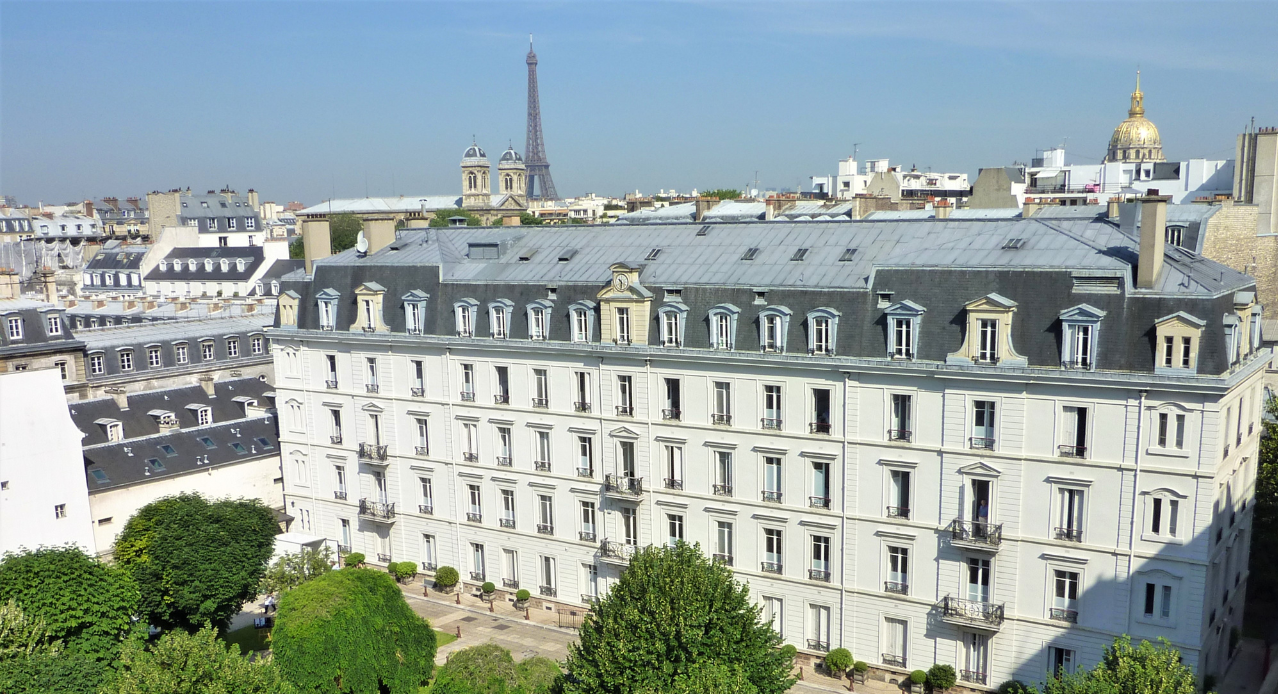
(221, 218)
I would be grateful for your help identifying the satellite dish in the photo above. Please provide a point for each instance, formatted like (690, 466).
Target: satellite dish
(361, 245)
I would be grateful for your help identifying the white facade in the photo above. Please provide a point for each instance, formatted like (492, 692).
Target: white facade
(43, 499)
(1096, 183)
(1114, 503)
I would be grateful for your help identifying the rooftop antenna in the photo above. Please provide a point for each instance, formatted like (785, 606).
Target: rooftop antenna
(855, 145)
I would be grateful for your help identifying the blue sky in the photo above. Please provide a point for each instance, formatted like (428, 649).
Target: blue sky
(304, 100)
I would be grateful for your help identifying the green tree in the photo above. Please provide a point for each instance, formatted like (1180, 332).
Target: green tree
(352, 629)
(442, 217)
(671, 611)
(197, 561)
(295, 568)
(31, 662)
(199, 663)
(343, 231)
(1264, 537)
(490, 669)
(296, 249)
(721, 194)
(530, 219)
(711, 678)
(1124, 669)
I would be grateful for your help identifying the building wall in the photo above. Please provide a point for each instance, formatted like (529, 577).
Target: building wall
(111, 509)
(41, 466)
(1232, 240)
(1122, 466)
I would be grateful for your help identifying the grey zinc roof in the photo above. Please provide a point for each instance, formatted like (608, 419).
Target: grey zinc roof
(167, 330)
(416, 203)
(138, 421)
(126, 462)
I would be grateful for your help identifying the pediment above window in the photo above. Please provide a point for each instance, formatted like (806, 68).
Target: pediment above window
(1181, 318)
(905, 308)
(1082, 313)
(980, 470)
(992, 301)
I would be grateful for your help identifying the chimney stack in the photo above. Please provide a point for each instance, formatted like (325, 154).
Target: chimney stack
(1153, 227)
(1029, 208)
(315, 241)
(704, 205)
(49, 285)
(206, 382)
(10, 284)
(380, 232)
(941, 210)
(1111, 208)
(120, 395)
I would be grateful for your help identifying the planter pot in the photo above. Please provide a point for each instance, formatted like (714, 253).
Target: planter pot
(487, 597)
(858, 677)
(521, 604)
(916, 688)
(446, 590)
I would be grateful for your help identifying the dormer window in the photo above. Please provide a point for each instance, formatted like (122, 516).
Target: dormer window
(464, 314)
(225, 264)
(208, 265)
(903, 321)
(623, 325)
(499, 319)
(988, 338)
(240, 264)
(987, 347)
(822, 326)
(114, 430)
(190, 264)
(230, 223)
(328, 309)
(538, 317)
(53, 323)
(415, 312)
(164, 266)
(774, 325)
(1177, 337)
(673, 319)
(212, 223)
(1174, 236)
(250, 223)
(582, 315)
(275, 288)
(723, 326)
(1079, 328)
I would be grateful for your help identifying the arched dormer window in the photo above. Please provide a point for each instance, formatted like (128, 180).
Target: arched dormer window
(327, 302)
(464, 314)
(582, 317)
(415, 311)
(499, 318)
(823, 326)
(190, 264)
(225, 264)
(904, 318)
(240, 264)
(539, 319)
(723, 326)
(1080, 326)
(774, 325)
(275, 288)
(208, 265)
(164, 266)
(674, 319)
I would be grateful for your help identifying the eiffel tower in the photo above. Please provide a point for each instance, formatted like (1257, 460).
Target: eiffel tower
(540, 185)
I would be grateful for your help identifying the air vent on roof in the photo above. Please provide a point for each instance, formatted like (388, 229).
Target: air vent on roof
(799, 254)
(652, 254)
(750, 254)
(567, 255)
(1098, 285)
(703, 230)
(848, 254)
(482, 251)
(1013, 244)
(527, 255)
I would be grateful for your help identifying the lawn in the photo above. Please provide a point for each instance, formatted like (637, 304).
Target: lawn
(443, 638)
(248, 638)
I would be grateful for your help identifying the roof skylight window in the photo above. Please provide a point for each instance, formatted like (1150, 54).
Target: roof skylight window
(168, 450)
(1013, 244)
(652, 254)
(155, 464)
(799, 254)
(750, 254)
(239, 448)
(848, 254)
(703, 230)
(264, 443)
(99, 476)
(208, 442)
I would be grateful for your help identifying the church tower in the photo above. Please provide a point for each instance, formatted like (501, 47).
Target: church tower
(476, 188)
(512, 175)
(1135, 139)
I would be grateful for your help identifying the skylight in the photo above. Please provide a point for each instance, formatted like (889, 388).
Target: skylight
(799, 254)
(1013, 244)
(168, 450)
(848, 254)
(652, 254)
(208, 442)
(264, 443)
(99, 476)
(750, 254)
(239, 448)
(155, 464)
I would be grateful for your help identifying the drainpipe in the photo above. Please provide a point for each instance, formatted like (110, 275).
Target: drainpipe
(452, 461)
(1131, 532)
(843, 515)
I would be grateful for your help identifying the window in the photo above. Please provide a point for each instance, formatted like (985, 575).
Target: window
(421, 445)
(580, 325)
(987, 341)
(328, 313)
(96, 366)
(1060, 661)
(1171, 430)
(671, 410)
(773, 325)
(335, 421)
(591, 582)
(1164, 515)
(978, 579)
(630, 525)
(625, 396)
(179, 353)
(256, 344)
(976, 654)
(819, 570)
(623, 326)
(819, 627)
(901, 418)
(478, 572)
(546, 569)
(419, 378)
(331, 360)
(537, 323)
(340, 478)
(153, 358)
(541, 388)
(772, 479)
(470, 441)
(723, 331)
(588, 521)
(626, 453)
(502, 396)
(507, 508)
(115, 431)
(468, 382)
(53, 323)
(899, 494)
(895, 641)
(982, 424)
(1070, 509)
(1169, 351)
(206, 351)
(672, 326)
(898, 578)
(60, 511)
(820, 411)
(722, 403)
(822, 342)
(427, 488)
(820, 485)
(723, 473)
(465, 313)
(1074, 432)
(674, 524)
(582, 382)
(674, 466)
(1065, 596)
(772, 555)
(902, 338)
(774, 613)
(1158, 601)
(204, 415)
(771, 407)
(126, 360)
(475, 507)
(500, 317)
(1078, 342)
(62, 369)
(585, 456)
(543, 451)
(723, 542)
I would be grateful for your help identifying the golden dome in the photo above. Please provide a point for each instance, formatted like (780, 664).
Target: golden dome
(1135, 139)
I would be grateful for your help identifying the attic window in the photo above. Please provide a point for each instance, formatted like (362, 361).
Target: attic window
(99, 476)
(155, 464)
(848, 254)
(527, 255)
(885, 299)
(652, 254)
(239, 448)
(483, 251)
(168, 450)
(703, 230)
(264, 443)
(1013, 244)
(567, 255)
(799, 254)
(750, 254)
(1103, 285)
(208, 442)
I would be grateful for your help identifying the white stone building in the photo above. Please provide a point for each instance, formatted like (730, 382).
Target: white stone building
(992, 443)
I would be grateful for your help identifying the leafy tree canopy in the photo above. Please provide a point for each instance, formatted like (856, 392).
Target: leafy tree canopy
(441, 217)
(721, 193)
(343, 231)
(197, 561)
(490, 669)
(33, 663)
(671, 613)
(199, 663)
(352, 627)
(530, 219)
(296, 249)
(85, 604)
(295, 568)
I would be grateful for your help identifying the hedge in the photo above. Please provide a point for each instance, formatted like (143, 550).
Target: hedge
(354, 559)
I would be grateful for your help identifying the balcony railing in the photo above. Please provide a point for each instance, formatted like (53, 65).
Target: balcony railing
(476, 575)
(770, 423)
(725, 559)
(421, 451)
(507, 523)
(625, 410)
(1070, 534)
(585, 472)
(973, 676)
(896, 587)
(893, 660)
(426, 509)
(331, 384)
(1072, 451)
(372, 452)
(976, 533)
(586, 535)
(589, 598)
(671, 415)
(383, 558)
(540, 403)
(772, 497)
(377, 510)
(548, 591)
(1079, 364)
(541, 465)
(545, 529)
(819, 502)
(474, 517)
(672, 483)
(470, 457)
(902, 512)
(428, 566)
(900, 435)
(419, 392)
(370, 387)
(619, 484)
(581, 406)
(616, 550)
(723, 490)
(468, 396)
(721, 419)
(818, 645)
(770, 567)
(981, 442)
(972, 611)
(343, 549)
(504, 461)
(340, 495)
(1061, 614)
(819, 428)
(501, 399)
(335, 439)
(510, 583)
(819, 575)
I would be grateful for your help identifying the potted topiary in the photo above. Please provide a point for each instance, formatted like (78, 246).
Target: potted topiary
(405, 571)
(838, 661)
(941, 677)
(1016, 687)
(487, 591)
(521, 598)
(859, 668)
(789, 651)
(917, 679)
(355, 559)
(446, 578)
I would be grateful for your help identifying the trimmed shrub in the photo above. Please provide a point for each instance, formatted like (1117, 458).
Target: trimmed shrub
(353, 559)
(1014, 687)
(488, 587)
(403, 570)
(918, 677)
(941, 676)
(522, 594)
(861, 666)
(446, 577)
(838, 660)
(789, 651)
(353, 627)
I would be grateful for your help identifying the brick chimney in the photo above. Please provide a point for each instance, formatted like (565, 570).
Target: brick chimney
(941, 210)
(1153, 227)
(1030, 207)
(704, 205)
(206, 382)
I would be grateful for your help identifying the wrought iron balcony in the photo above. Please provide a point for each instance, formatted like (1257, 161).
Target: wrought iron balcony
(340, 495)
(770, 567)
(507, 523)
(372, 452)
(903, 435)
(377, 510)
(476, 575)
(985, 615)
(772, 497)
(548, 591)
(370, 387)
(474, 517)
(819, 428)
(383, 558)
(335, 439)
(724, 420)
(540, 403)
(976, 535)
(818, 645)
(672, 483)
(470, 457)
(725, 559)
(589, 598)
(545, 529)
(625, 410)
(541, 465)
(428, 566)
(504, 461)
(331, 384)
(581, 406)
(586, 535)
(585, 472)
(1070, 534)
(896, 587)
(617, 484)
(509, 583)
(419, 392)
(343, 549)
(468, 396)
(770, 423)
(986, 360)
(819, 502)
(1072, 451)
(1063, 615)
(671, 415)
(426, 509)
(616, 550)
(902, 512)
(974, 676)
(421, 451)
(821, 351)
(501, 399)
(819, 575)
(981, 443)
(723, 490)
(893, 660)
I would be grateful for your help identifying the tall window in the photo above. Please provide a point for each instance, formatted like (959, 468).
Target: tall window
(478, 571)
(626, 451)
(821, 343)
(820, 411)
(475, 507)
(1060, 661)
(723, 331)
(774, 614)
(545, 514)
(1078, 337)
(180, 353)
(772, 407)
(543, 450)
(96, 366)
(820, 485)
(427, 503)
(507, 508)
(820, 568)
(1070, 502)
(772, 338)
(369, 314)
(772, 555)
(772, 479)
(630, 525)
(978, 579)
(625, 396)
(541, 388)
(1164, 516)
(582, 380)
(546, 569)
(898, 578)
(987, 340)
(585, 456)
(1065, 596)
(580, 325)
(672, 401)
(588, 519)
(500, 319)
(722, 403)
(982, 424)
(370, 374)
(505, 436)
(537, 326)
(1169, 351)
(723, 473)
(670, 329)
(153, 358)
(206, 351)
(1074, 434)
(470, 442)
(819, 627)
(328, 314)
(623, 326)
(674, 524)
(126, 360)
(412, 317)
(509, 568)
(419, 378)
(468, 382)
(502, 396)
(903, 338)
(54, 324)
(674, 466)
(465, 321)
(901, 418)
(335, 421)
(896, 641)
(899, 491)
(723, 542)
(1171, 430)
